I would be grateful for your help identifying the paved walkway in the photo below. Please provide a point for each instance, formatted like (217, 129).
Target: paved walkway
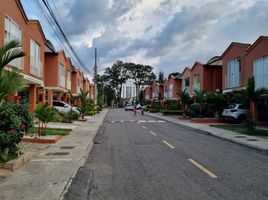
(256, 142)
(47, 176)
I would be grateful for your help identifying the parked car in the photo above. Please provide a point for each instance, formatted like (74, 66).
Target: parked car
(235, 112)
(128, 107)
(63, 107)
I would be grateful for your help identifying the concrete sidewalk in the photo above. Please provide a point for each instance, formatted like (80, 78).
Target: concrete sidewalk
(48, 175)
(256, 142)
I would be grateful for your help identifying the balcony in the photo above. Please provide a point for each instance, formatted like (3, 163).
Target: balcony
(36, 69)
(233, 81)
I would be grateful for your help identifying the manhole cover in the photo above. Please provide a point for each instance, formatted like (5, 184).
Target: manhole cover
(67, 147)
(252, 140)
(240, 136)
(57, 153)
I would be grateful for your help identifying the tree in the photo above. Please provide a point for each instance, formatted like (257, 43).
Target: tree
(72, 98)
(116, 76)
(161, 77)
(141, 74)
(184, 97)
(200, 97)
(10, 81)
(109, 95)
(44, 114)
(83, 96)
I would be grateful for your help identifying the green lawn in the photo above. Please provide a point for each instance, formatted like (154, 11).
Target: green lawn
(242, 129)
(51, 131)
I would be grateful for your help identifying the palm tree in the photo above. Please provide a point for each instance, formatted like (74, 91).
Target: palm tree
(83, 96)
(184, 97)
(44, 114)
(200, 97)
(10, 81)
(72, 98)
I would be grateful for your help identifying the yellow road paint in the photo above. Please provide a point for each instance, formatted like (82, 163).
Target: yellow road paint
(144, 127)
(168, 144)
(202, 168)
(152, 133)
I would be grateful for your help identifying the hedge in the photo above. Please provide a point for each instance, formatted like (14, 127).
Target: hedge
(172, 112)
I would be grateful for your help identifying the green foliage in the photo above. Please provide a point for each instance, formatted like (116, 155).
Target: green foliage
(109, 95)
(15, 116)
(154, 110)
(172, 112)
(250, 88)
(44, 115)
(184, 97)
(173, 105)
(10, 81)
(161, 77)
(15, 119)
(70, 117)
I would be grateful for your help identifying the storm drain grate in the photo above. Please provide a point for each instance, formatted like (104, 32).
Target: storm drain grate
(57, 153)
(239, 136)
(67, 147)
(252, 140)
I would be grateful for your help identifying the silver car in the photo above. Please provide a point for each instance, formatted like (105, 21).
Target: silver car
(63, 107)
(235, 112)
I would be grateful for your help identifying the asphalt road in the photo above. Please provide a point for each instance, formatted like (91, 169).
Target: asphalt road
(143, 158)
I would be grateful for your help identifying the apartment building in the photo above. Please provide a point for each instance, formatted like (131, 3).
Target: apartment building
(14, 25)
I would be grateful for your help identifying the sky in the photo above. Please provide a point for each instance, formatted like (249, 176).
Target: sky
(166, 34)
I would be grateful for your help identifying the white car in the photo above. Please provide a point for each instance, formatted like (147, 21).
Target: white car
(63, 107)
(235, 112)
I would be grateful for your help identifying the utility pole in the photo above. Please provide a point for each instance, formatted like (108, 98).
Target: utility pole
(95, 79)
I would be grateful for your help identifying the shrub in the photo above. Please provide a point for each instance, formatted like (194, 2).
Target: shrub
(90, 113)
(15, 119)
(69, 117)
(173, 105)
(153, 110)
(172, 112)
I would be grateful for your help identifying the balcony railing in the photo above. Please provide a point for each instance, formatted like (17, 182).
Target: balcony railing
(36, 68)
(234, 80)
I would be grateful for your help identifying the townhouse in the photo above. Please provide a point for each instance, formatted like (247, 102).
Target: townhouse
(241, 61)
(203, 77)
(48, 74)
(148, 94)
(14, 25)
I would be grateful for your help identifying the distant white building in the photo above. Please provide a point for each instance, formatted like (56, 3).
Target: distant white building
(129, 90)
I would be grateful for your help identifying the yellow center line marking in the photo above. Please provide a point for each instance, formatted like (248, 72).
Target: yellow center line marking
(168, 144)
(152, 133)
(202, 168)
(144, 127)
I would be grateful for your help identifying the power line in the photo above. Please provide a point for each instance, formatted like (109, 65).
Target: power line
(50, 22)
(63, 34)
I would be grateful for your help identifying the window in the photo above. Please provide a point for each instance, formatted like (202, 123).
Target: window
(13, 32)
(62, 77)
(68, 80)
(233, 78)
(170, 91)
(187, 84)
(35, 63)
(260, 71)
(196, 80)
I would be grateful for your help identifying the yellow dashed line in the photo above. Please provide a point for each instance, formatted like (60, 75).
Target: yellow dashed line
(202, 168)
(168, 144)
(152, 133)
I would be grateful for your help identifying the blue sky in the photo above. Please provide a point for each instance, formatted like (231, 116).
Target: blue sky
(166, 34)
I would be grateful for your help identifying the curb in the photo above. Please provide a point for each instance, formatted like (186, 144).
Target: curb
(252, 146)
(82, 160)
